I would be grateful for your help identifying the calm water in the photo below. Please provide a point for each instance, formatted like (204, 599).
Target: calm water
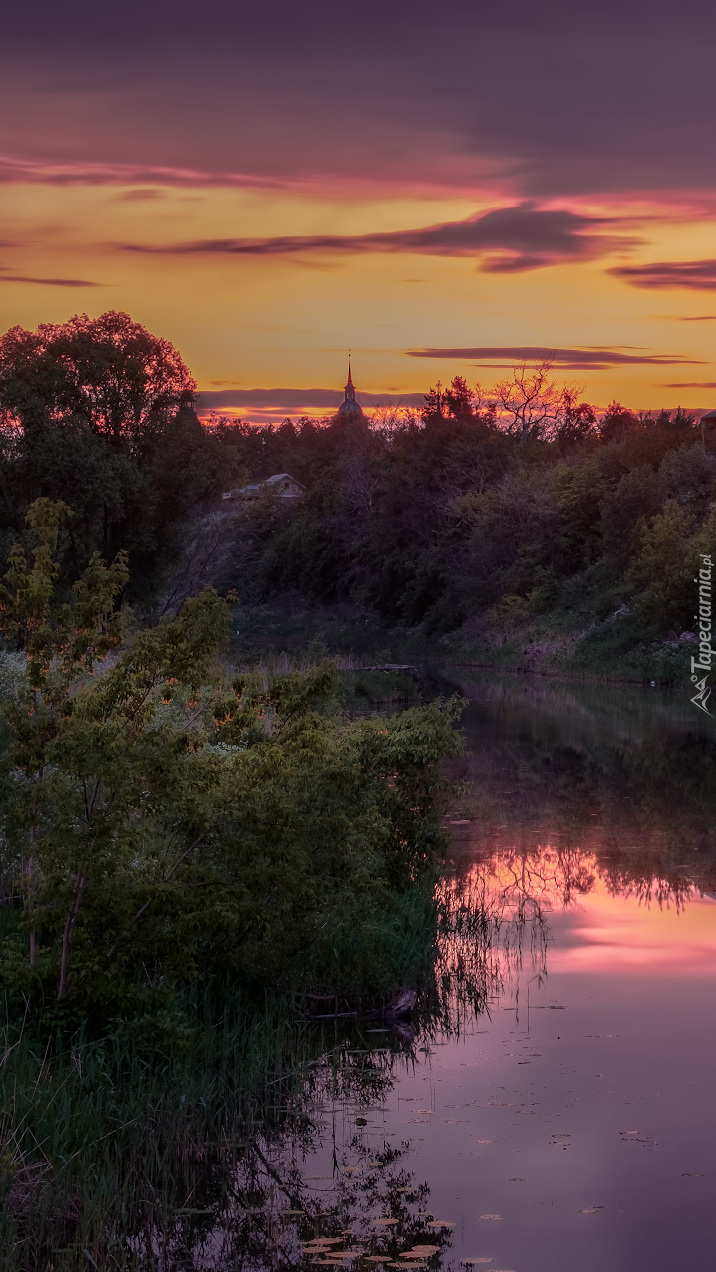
(557, 1110)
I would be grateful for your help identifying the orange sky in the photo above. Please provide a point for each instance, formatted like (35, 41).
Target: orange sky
(221, 185)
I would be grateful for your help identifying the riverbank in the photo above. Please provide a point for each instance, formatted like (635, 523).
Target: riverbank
(619, 647)
(614, 650)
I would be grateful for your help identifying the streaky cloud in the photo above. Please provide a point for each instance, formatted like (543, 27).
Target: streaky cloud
(15, 168)
(692, 384)
(297, 399)
(48, 282)
(589, 358)
(691, 275)
(509, 239)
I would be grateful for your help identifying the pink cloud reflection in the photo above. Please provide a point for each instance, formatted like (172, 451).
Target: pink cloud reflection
(607, 934)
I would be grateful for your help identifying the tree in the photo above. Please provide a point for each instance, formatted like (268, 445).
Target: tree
(97, 413)
(109, 371)
(636, 497)
(662, 574)
(531, 404)
(617, 421)
(166, 825)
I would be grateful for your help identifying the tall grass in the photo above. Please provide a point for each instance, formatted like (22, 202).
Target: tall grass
(105, 1140)
(100, 1138)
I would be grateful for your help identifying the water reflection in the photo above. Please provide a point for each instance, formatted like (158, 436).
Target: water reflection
(266, 1208)
(623, 778)
(553, 1108)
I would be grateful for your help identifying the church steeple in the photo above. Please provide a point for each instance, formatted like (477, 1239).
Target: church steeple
(350, 389)
(349, 408)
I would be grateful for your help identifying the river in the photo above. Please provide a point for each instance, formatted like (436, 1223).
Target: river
(553, 1107)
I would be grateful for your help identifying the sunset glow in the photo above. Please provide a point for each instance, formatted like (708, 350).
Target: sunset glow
(222, 184)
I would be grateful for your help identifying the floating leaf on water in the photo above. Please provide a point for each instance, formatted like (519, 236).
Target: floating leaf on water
(385, 1223)
(427, 1112)
(517, 1179)
(441, 1223)
(484, 1141)
(471, 1262)
(490, 1216)
(452, 1121)
(591, 1210)
(692, 1174)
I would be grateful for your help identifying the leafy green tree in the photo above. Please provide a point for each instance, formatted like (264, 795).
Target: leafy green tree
(166, 825)
(662, 574)
(636, 497)
(109, 371)
(97, 413)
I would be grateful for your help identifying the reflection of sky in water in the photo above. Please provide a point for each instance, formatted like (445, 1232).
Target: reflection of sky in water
(580, 1109)
(609, 935)
(571, 1127)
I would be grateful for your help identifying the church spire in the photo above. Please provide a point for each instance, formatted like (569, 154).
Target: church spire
(350, 388)
(349, 409)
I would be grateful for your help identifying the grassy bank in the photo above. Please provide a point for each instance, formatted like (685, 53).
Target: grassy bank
(562, 642)
(128, 1151)
(618, 648)
(104, 1139)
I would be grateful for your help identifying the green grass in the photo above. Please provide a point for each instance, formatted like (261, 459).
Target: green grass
(99, 1138)
(102, 1139)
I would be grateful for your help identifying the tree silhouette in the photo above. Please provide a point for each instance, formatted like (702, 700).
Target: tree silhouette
(109, 372)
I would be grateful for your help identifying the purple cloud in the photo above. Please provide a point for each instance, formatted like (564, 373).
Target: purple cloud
(48, 282)
(509, 240)
(545, 100)
(297, 400)
(589, 358)
(693, 275)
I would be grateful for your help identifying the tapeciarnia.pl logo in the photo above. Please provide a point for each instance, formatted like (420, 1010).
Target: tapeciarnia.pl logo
(706, 653)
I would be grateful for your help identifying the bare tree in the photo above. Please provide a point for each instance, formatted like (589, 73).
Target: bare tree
(390, 418)
(531, 404)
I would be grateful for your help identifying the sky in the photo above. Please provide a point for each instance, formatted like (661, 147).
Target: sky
(443, 190)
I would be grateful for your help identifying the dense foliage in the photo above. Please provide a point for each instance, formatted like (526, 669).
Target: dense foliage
(97, 413)
(481, 512)
(487, 514)
(165, 823)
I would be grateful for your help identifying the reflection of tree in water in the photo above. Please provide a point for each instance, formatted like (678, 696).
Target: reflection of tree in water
(564, 795)
(618, 777)
(524, 885)
(256, 1207)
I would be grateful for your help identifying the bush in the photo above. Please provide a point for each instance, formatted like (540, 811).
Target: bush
(163, 826)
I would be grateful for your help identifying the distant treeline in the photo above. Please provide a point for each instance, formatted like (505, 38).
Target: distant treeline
(464, 511)
(519, 504)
